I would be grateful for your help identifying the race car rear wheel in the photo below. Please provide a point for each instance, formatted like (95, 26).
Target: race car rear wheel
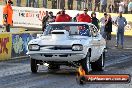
(34, 66)
(99, 64)
(86, 63)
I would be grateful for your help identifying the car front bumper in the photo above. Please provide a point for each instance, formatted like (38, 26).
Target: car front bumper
(57, 55)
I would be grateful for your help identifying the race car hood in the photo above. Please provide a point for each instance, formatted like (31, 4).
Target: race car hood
(60, 37)
(47, 40)
(60, 40)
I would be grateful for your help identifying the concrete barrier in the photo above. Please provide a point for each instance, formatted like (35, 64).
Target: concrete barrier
(14, 45)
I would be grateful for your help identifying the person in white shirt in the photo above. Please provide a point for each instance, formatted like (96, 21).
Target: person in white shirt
(122, 7)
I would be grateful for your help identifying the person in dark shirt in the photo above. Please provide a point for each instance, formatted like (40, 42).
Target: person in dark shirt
(75, 18)
(95, 21)
(44, 21)
(90, 5)
(111, 8)
(108, 24)
(116, 6)
(70, 4)
(108, 29)
(97, 5)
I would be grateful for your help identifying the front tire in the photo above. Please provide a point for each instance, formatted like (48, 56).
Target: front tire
(99, 64)
(34, 66)
(85, 63)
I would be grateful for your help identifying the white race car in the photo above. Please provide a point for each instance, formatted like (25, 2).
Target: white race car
(68, 43)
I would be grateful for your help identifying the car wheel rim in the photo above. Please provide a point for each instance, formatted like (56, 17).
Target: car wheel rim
(88, 63)
(102, 57)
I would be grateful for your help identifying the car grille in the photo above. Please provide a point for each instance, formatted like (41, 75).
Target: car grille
(56, 47)
(51, 55)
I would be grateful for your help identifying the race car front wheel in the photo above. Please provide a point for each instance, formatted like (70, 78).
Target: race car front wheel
(85, 63)
(99, 64)
(34, 66)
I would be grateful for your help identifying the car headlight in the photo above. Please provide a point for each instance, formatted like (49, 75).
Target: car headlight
(77, 47)
(33, 47)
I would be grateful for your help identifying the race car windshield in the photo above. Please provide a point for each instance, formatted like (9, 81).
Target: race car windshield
(73, 29)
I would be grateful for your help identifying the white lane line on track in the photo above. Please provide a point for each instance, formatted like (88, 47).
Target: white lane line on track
(124, 59)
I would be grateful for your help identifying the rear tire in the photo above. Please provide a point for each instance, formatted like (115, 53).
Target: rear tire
(34, 66)
(85, 63)
(99, 64)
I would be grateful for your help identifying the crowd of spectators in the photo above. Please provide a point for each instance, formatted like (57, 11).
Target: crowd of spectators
(112, 6)
(105, 27)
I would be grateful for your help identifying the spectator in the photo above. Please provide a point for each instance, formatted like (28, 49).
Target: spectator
(70, 4)
(36, 3)
(51, 17)
(54, 4)
(116, 6)
(95, 21)
(75, 18)
(90, 5)
(62, 17)
(84, 3)
(97, 5)
(60, 4)
(18, 2)
(44, 21)
(102, 23)
(122, 7)
(45, 3)
(120, 23)
(111, 7)
(28, 3)
(78, 2)
(7, 15)
(108, 29)
(126, 6)
(84, 17)
(103, 5)
(130, 7)
(58, 13)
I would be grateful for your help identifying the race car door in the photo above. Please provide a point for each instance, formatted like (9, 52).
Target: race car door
(96, 39)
